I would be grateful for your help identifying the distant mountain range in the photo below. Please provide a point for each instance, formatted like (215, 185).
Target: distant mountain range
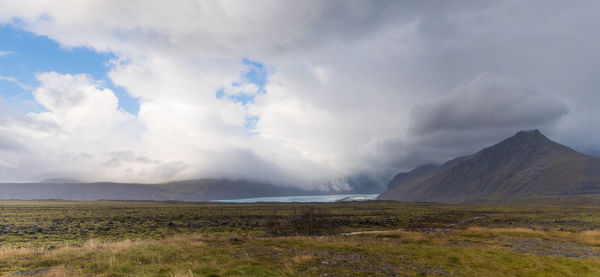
(191, 190)
(527, 165)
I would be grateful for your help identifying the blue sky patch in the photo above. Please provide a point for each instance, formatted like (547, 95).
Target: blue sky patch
(243, 98)
(30, 54)
(255, 74)
(250, 124)
(220, 93)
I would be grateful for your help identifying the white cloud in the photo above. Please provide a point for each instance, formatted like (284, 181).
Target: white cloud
(350, 85)
(77, 104)
(81, 123)
(4, 53)
(15, 81)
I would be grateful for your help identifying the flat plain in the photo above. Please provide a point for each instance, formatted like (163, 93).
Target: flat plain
(375, 238)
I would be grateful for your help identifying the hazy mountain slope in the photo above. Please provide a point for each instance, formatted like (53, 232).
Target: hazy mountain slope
(77, 191)
(527, 164)
(212, 189)
(191, 190)
(413, 175)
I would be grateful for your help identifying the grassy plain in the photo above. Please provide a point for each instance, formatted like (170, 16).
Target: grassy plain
(114, 238)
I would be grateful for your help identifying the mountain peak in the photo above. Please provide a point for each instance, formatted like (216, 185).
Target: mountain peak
(530, 134)
(531, 139)
(525, 145)
(524, 165)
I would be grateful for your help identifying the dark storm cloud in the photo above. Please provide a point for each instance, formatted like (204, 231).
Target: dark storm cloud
(486, 103)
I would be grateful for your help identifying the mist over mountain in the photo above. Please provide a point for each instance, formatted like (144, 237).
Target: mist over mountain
(189, 190)
(60, 180)
(525, 165)
(366, 183)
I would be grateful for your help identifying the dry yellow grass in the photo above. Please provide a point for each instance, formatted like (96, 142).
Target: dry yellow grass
(187, 273)
(200, 255)
(302, 258)
(19, 252)
(589, 237)
(59, 272)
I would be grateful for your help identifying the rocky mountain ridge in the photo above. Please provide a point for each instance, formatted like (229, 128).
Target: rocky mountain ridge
(525, 165)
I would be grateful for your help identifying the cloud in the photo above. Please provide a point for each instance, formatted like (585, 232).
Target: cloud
(469, 117)
(487, 102)
(76, 103)
(15, 81)
(81, 120)
(9, 144)
(350, 87)
(5, 53)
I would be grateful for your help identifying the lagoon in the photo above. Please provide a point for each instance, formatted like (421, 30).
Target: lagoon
(305, 199)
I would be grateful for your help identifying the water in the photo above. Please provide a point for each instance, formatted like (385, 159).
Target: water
(304, 199)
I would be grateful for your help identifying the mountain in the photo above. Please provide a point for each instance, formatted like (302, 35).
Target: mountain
(523, 166)
(59, 180)
(191, 190)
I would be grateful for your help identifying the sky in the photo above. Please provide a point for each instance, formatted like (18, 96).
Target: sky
(296, 93)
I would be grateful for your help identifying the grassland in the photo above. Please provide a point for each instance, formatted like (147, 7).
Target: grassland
(112, 238)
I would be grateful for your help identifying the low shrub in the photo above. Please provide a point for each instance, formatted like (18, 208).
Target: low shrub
(305, 221)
